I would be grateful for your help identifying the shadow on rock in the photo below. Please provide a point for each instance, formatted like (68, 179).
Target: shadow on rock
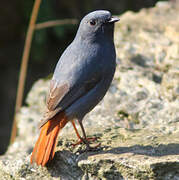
(158, 151)
(106, 163)
(64, 165)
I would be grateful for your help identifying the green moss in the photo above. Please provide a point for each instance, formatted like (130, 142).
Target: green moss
(122, 114)
(119, 79)
(107, 130)
(48, 77)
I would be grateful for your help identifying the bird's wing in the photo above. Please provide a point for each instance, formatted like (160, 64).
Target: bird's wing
(56, 93)
(76, 73)
(62, 95)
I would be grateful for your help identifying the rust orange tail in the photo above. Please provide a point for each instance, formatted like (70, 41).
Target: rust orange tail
(44, 149)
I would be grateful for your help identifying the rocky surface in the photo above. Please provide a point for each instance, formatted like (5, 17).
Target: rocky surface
(137, 122)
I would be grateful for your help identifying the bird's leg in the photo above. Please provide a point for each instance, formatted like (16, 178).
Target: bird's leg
(81, 140)
(87, 140)
(77, 133)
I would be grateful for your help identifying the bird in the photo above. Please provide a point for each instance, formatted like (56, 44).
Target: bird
(81, 79)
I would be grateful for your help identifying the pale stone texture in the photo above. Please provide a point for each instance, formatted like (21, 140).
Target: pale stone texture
(137, 122)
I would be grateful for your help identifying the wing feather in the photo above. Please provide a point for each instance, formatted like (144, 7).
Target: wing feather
(56, 93)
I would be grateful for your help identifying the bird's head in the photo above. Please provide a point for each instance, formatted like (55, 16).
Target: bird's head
(96, 25)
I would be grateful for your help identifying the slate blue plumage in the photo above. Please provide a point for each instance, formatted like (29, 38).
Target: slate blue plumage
(81, 79)
(85, 70)
(87, 65)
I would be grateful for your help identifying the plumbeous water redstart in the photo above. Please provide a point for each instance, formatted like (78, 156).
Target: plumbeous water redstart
(81, 79)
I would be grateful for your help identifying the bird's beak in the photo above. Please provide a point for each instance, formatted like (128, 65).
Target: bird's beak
(113, 19)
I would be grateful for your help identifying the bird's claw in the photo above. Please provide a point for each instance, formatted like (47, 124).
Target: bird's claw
(86, 141)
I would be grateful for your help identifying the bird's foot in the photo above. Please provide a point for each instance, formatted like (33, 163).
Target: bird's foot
(86, 141)
(89, 147)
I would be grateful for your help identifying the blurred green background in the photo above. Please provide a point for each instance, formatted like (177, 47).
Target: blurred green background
(47, 45)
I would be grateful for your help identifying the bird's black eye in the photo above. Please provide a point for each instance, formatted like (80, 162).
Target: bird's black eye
(92, 22)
